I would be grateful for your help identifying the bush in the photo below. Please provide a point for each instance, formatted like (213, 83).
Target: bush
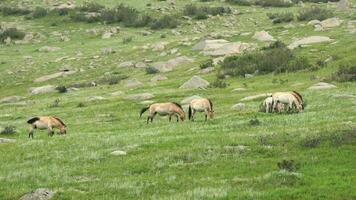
(13, 33)
(275, 58)
(288, 165)
(151, 70)
(127, 40)
(6, 11)
(345, 73)
(61, 89)
(254, 121)
(203, 11)
(206, 64)
(8, 130)
(241, 2)
(218, 83)
(91, 7)
(166, 21)
(55, 104)
(281, 17)
(39, 12)
(314, 12)
(274, 3)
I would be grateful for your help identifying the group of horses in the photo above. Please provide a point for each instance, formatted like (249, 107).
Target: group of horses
(277, 102)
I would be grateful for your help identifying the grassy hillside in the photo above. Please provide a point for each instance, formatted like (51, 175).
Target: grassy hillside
(225, 158)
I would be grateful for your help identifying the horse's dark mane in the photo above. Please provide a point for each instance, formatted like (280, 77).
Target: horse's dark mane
(211, 104)
(33, 120)
(60, 121)
(300, 96)
(177, 104)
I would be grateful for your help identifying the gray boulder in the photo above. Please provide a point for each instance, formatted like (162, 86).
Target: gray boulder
(187, 100)
(195, 82)
(53, 76)
(256, 97)
(47, 49)
(118, 153)
(43, 89)
(309, 40)
(263, 36)
(5, 140)
(158, 78)
(133, 83)
(38, 194)
(140, 97)
(171, 64)
(238, 106)
(11, 99)
(322, 86)
(331, 22)
(126, 64)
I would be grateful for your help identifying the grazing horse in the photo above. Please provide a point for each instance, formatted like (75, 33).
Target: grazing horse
(46, 122)
(267, 104)
(290, 98)
(162, 109)
(201, 105)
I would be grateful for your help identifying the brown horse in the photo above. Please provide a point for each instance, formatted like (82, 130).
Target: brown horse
(46, 122)
(163, 109)
(290, 98)
(201, 105)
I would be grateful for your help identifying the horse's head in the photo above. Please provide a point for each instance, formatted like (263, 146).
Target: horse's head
(211, 114)
(182, 116)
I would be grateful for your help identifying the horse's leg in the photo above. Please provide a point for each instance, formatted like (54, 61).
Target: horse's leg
(206, 114)
(30, 133)
(154, 114)
(177, 117)
(193, 113)
(50, 131)
(170, 118)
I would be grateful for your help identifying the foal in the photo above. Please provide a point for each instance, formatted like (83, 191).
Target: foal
(162, 109)
(46, 122)
(201, 105)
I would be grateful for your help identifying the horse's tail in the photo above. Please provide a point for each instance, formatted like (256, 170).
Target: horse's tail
(190, 112)
(33, 120)
(211, 104)
(144, 110)
(60, 121)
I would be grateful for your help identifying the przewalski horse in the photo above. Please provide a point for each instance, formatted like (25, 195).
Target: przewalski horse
(163, 109)
(267, 105)
(46, 122)
(201, 105)
(290, 98)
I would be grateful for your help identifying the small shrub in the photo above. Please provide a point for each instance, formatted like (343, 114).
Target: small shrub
(218, 83)
(8, 130)
(241, 2)
(91, 7)
(55, 104)
(81, 105)
(202, 12)
(206, 64)
(111, 79)
(274, 3)
(345, 73)
(311, 142)
(281, 17)
(167, 21)
(6, 11)
(39, 12)
(151, 70)
(254, 121)
(314, 12)
(61, 89)
(288, 165)
(13, 33)
(127, 40)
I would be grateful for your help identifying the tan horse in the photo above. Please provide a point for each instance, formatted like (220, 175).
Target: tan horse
(46, 122)
(290, 98)
(163, 109)
(201, 105)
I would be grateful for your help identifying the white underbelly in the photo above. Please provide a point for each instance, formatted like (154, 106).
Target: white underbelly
(40, 125)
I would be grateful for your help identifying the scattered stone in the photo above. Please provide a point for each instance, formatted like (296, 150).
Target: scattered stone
(322, 86)
(140, 65)
(140, 97)
(38, 194)
(249, 75)
(239, 89)
(344, 96)
(309, 40)
(189, 99)
(160, 46)
(207, 70)
(43, 89)
(158, 78)
(108, 51)
(47, 49)
(344, 5)
(126, 64)
(132, 83)
(171, 64)
(256, 97)
(96, 98)
(5, 140)
(11, 99)
(313, 22)
(221, 47)
(53, 76)
(107, 35)
(118, 153)
(117, 93)
(263, 36)
(148, 102)
(239, 106)
(331, 22)
(195, 82)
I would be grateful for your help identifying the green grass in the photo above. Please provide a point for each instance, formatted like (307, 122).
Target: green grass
(225, 158)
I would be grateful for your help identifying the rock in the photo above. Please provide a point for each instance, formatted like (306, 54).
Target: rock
(238, 106)
(38, 194)
(263, 36)
(132, 83)
(309, 40)
(344, 5)
(140, 97)
(195, 83)
(148, 102)
(160, 46)
(117, 93)
(11, 99)
(96, 98)
(221, 47)
(322, 86)
(313, 22)
(5, 140)
(239, 89)
(256, 97)
(107, 35)
(189, 99)
(158, 78)
(249, 75)
(108, 51)
(43, 89)
(126, 64)
(207, 70)
(118, 153)
(140, 65)
(171, 64)
(330, 23)
(53, 76)
(7, 41)
(344, 96)
(47, 49)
